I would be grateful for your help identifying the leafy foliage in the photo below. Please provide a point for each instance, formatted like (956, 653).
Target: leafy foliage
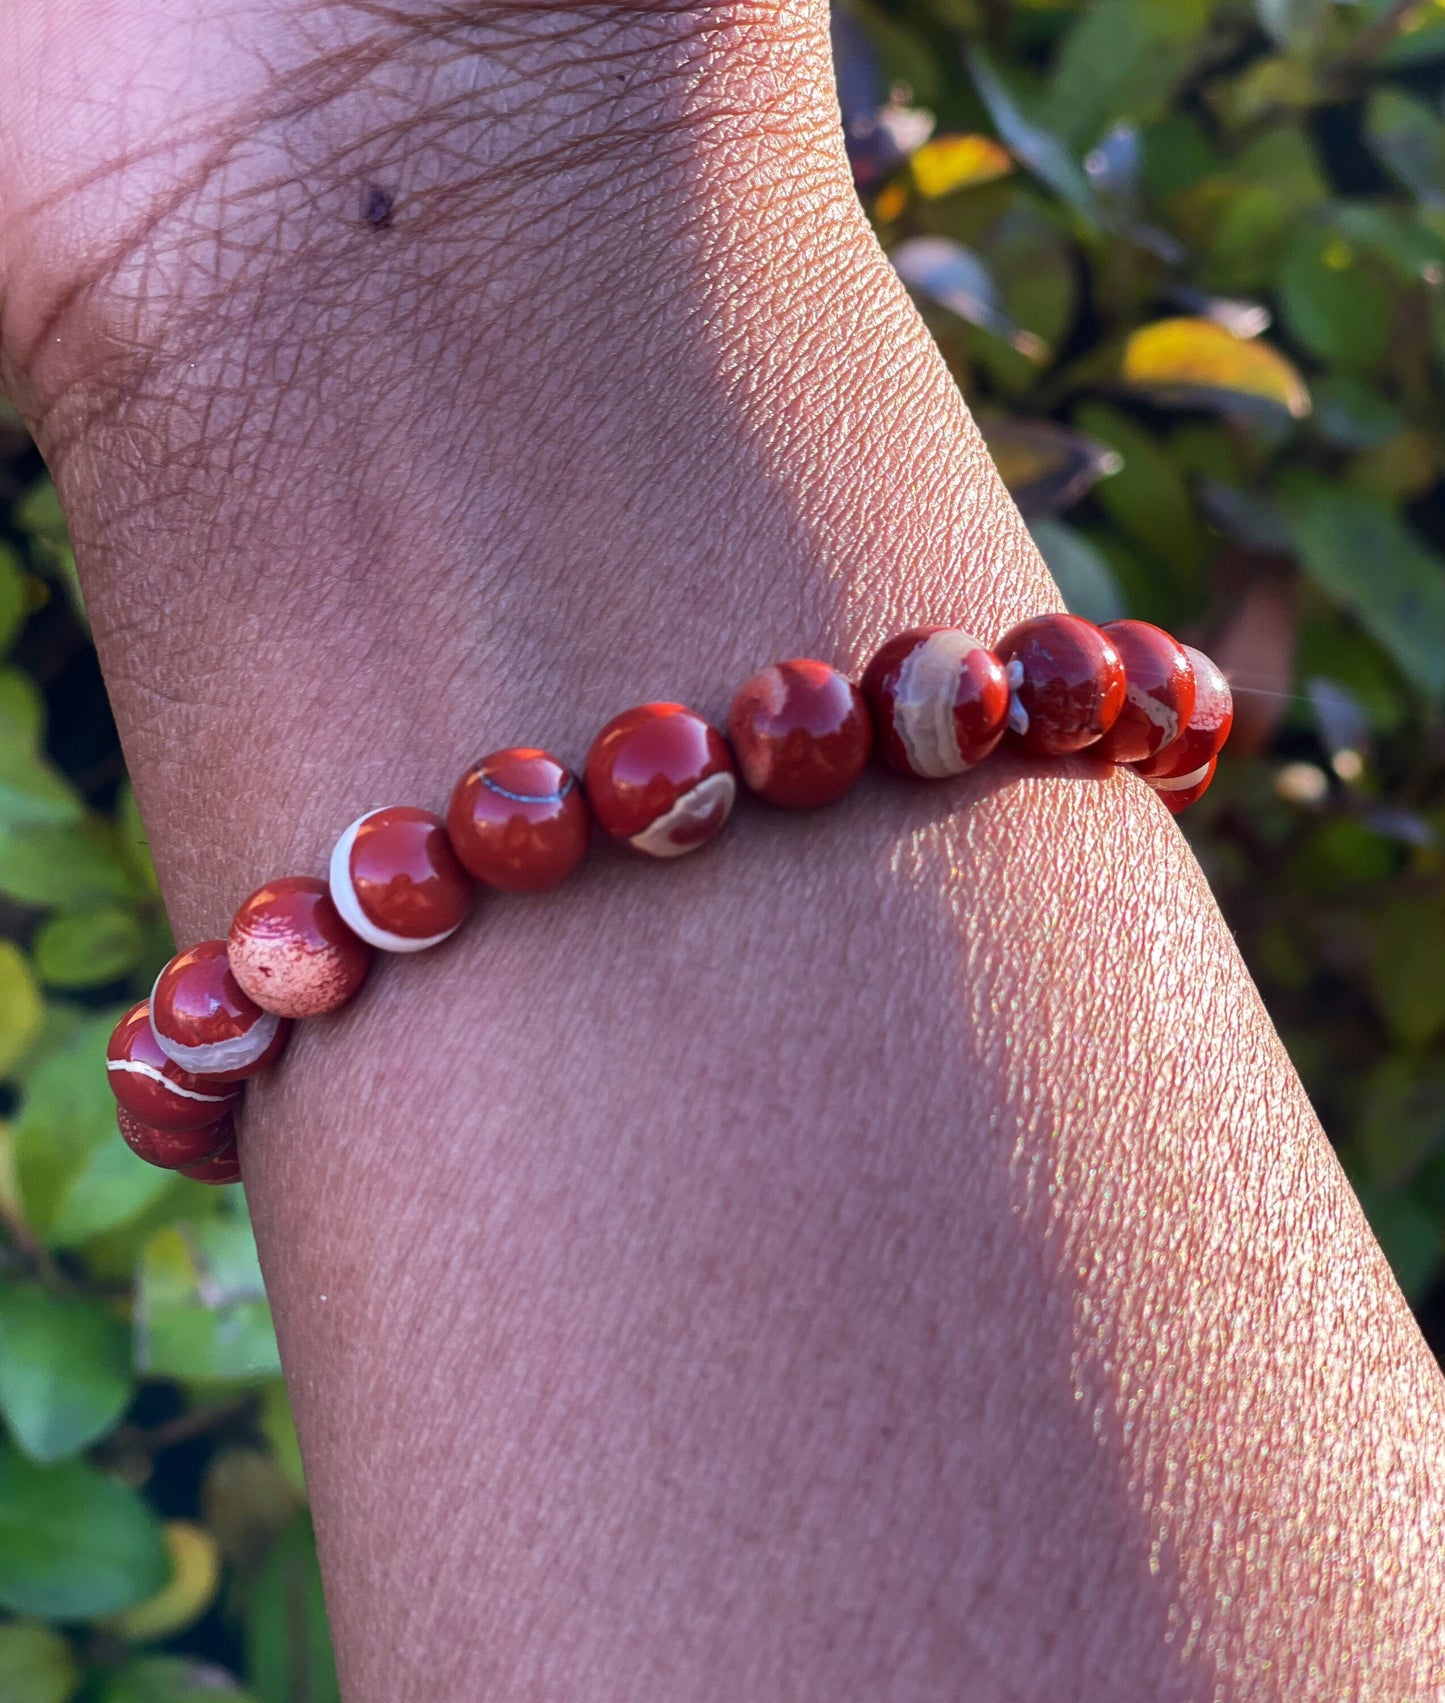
(154, 1546)
(1187, 262)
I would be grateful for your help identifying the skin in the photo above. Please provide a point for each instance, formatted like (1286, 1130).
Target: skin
(885, 1256)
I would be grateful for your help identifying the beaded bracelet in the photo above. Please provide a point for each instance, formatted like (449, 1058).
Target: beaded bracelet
(658, 777)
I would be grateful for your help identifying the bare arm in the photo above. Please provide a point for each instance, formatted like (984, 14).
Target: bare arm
(887, 1255)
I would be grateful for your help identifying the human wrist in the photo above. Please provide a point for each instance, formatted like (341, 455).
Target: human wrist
(719, 437)
(476, 150)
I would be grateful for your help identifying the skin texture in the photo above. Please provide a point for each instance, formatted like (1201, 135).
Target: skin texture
(883, 1256)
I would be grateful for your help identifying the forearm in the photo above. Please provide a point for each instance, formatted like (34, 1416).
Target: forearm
(885, 1255)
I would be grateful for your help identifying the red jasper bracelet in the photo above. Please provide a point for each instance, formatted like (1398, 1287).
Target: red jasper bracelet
(658, 777)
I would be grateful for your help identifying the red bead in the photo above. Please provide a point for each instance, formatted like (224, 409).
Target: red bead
(1159, 696)
(660, 778)
(1207, 728)
(222, 1166)
(1178, 794)
(171, 1149)
(153, 1088)
(939, 700)
(396, 880)
(801, 733)
(290, 951)
(202, 1019)
(518, 821)
(1066, 680)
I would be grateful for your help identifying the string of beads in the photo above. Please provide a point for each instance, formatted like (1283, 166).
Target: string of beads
(934, 701)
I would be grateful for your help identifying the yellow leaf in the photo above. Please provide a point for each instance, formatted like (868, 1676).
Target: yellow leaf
(21, 1011)
(889, 203)
(948, 163)
(195, 1574)
(1196, 363)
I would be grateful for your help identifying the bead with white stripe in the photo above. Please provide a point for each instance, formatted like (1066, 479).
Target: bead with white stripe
(661, 779)
(204, 1022)
(940, 701)
(396, 880)
(155, 1089)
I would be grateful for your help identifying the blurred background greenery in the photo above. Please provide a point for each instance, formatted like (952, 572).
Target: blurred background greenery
(1187, 262)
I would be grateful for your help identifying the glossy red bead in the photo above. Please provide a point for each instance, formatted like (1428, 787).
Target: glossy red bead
(661, 778)
(939, 701)
(221, 1167)
(1207, 728)
(396, 881)
(203, 1020)
(1066, 682)
(1183, 790)
(170, 1149)
(1158, 697)
(290, 951)
(518, 820)
(801, 733)
(153, 1088)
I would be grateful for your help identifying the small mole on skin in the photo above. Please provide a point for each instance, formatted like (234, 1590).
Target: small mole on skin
(376, 205)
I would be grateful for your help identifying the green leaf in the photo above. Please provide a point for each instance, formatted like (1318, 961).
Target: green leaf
(1420, 41)
(1147, 498)
(89, 948)
(279, 1429)
(14, 597)
(1080, 571)
(201, 1309)
(1176, 156)
(133, 845)
(1122, 59)
(1408, 940)
(1351, 415)
(1409, 1236)
(1292, 21)
(64, 1371)
(1283, 161)
(1268, 87)
(175, 1679)
(22, 709)
(1410, 141)
(1402, 1120)
(77, 1176)
(1333, 303)
(33, 791)
(1341, 856)
(1253, 204)
(38, 512)
(288, 1641)
(1399, 237)
(1359, 550)
(1037, 147)
(21, 1012)
(44, 864)
(1031, 260)
(36, 1665)
(74, 1543)
(1332, 647)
